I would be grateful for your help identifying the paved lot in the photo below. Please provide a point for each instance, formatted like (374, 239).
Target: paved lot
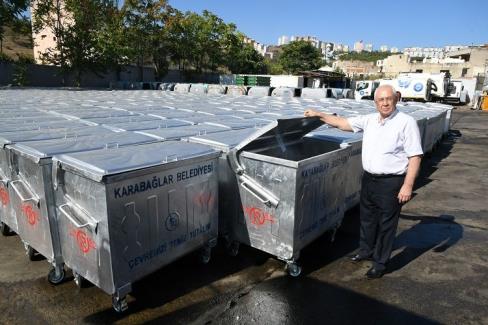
(438, 273)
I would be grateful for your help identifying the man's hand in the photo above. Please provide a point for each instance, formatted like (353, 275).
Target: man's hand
(405, 194)
(311, 113)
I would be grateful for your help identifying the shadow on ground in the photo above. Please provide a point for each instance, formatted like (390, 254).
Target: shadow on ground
(180, 278)
(303, 300)
(430, 233)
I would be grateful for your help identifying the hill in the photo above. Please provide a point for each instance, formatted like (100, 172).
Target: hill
(16, 43)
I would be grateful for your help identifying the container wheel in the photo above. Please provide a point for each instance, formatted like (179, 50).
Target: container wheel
(31, 252)
(55, 277)
(79, 280)
(294, 269)
(233, 248)
(4, 229)
(205, 255)
(119, 304)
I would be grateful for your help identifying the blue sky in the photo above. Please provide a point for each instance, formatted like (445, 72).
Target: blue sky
(424, 23)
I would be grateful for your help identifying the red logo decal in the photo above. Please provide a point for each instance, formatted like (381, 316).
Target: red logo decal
(85, 243)
(203, 200)
(4, 197)
(31, 214)
(258, 217)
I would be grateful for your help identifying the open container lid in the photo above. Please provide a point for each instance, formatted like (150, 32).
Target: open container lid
(38, 150)
(101, 163)
(279, 132)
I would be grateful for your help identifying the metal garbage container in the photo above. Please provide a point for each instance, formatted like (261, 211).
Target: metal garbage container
(31, 190)
(230, 208)
(8, 221)
(124, 213)
(291, 188)
(353, 166)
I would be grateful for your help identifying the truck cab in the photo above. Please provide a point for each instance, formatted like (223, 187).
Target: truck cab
(457, 94)
(365, 89)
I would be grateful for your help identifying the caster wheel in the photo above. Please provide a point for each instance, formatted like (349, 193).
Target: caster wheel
(4, 229)
(119, 304)
(294, 269)
(54, 278)
(79, 280)
(31, 252)
(233, 248)
(205, 255)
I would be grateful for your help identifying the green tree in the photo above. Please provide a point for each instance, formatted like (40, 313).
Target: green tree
(238, 56)
(206, 43)
(364, 56)
(10, 13)
(300, 56)
(112, 41)
(197, 41)
(274, 67)
(145, 21)
(80, 30)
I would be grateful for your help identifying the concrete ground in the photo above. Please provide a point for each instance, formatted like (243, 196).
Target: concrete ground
(438, 272)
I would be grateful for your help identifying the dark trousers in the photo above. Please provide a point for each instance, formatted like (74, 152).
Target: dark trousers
(379, 213)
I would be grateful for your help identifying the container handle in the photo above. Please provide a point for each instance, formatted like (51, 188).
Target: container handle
(3, 179)
(22, 198)
(90, 223)
(259, 193)
(169, 158)
(110, 145)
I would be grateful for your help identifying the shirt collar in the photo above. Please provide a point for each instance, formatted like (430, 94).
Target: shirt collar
(391, 116)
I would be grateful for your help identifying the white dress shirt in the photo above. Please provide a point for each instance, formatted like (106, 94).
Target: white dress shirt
(387, 143)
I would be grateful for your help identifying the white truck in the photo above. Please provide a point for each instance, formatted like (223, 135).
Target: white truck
(412, 86)
(365, 89)
(420, 86)
(457, 93)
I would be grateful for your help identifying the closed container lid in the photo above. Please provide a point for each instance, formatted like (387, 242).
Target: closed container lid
(224, 141)
(121, 119)
(182, 132)
(147, 125)
(48, 148)
(101, 163)
(38, 135)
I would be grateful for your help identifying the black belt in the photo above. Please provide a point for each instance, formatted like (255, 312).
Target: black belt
(383, 175)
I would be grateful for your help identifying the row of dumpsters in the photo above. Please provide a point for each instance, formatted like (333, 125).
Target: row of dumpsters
(114, 185)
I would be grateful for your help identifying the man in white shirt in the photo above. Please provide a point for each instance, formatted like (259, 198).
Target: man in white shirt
(391, 156)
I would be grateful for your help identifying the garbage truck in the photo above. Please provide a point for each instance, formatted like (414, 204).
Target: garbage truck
(412, 86)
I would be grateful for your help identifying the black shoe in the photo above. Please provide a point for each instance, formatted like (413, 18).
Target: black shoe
(358, 258)
(374, 273)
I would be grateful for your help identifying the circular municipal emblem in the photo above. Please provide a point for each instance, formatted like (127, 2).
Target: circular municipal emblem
(418, 87)
(172, 221)
(361, 92)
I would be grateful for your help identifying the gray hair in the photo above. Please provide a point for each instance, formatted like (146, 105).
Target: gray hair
(394, 92)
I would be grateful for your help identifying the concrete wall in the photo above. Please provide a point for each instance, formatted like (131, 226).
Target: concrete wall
(51, 76)
(476, 63)
(356, 68)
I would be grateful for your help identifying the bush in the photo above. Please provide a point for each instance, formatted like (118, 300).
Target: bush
(5, 58)
(24, 59)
